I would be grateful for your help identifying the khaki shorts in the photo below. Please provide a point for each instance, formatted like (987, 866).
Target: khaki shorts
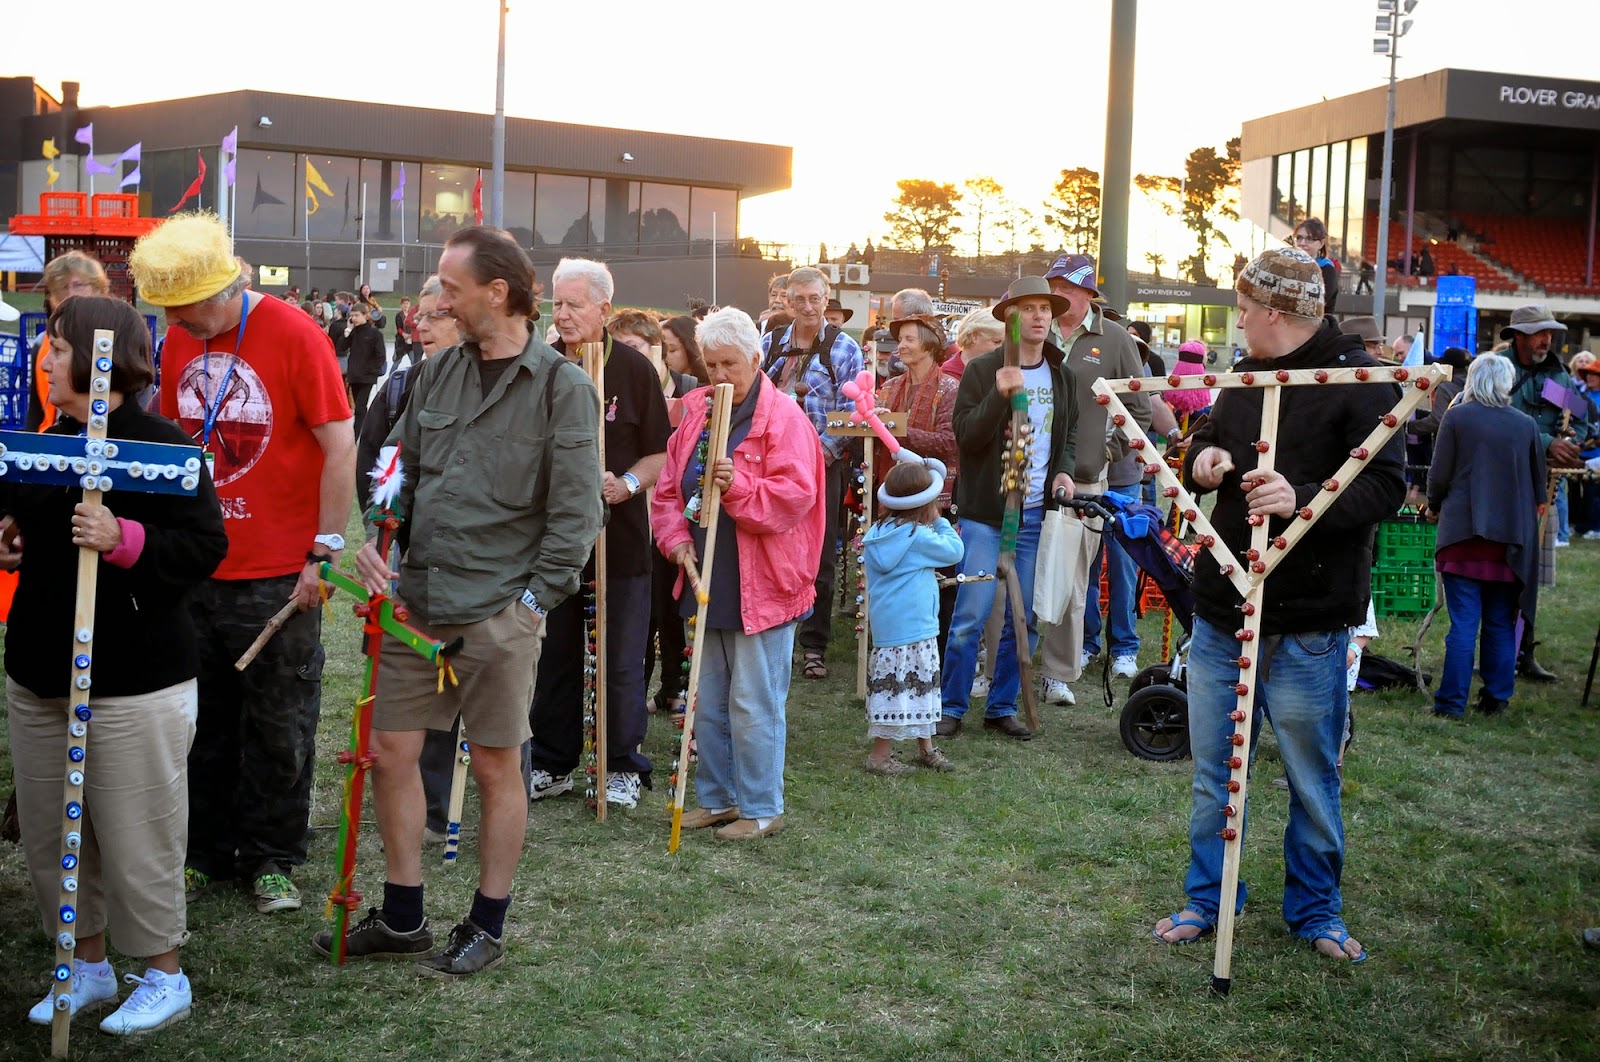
(496, 666)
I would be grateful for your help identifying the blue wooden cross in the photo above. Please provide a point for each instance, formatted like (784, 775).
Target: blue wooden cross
(97, 464)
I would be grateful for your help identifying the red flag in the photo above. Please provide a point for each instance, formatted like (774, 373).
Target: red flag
(477, 199)
(194, 188)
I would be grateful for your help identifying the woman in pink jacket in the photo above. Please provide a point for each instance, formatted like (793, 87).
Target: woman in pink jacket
(769, 538)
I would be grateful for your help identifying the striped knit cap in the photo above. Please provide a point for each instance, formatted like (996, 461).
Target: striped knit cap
(1285, 279)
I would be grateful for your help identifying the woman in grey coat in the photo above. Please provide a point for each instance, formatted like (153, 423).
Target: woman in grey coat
(1485, 490)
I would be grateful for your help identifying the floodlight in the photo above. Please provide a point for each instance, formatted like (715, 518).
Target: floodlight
(1385, 23)
(1405, 27)
(1410, 6)
(1386, 5)
(1380, 46)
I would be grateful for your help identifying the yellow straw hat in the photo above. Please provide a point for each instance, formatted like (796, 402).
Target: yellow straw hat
(184, 260)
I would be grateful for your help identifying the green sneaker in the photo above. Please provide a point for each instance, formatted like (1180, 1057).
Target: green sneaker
(275, 892)
(195, 882)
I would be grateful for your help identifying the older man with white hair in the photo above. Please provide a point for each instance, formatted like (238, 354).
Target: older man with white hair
(761, 578)
(636, 431)
(810, 360)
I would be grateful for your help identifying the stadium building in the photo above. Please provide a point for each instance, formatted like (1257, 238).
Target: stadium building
(332, 192)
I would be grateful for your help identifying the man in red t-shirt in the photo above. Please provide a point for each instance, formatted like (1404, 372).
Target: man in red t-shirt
(255, 381)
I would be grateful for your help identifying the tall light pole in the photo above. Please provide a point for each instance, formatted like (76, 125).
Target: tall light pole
(1389, 23)
(497, 161)
(1117, 171)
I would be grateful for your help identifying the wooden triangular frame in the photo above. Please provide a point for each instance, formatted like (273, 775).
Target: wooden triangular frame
(1265, 552)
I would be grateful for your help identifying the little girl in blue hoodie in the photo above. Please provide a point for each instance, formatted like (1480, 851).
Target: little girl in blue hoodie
(902, 554)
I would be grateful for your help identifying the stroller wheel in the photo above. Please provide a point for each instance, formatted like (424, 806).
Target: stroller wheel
(1155, 723)
(1150, 676)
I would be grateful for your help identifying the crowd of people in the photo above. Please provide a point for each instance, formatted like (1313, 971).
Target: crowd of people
(504, 497)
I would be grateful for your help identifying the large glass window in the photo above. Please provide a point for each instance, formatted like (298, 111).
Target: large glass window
(388, 217)
(1282, 173)
(614, 214)
(165, 176)
(706, 204)
(445, 201)
(1338, 183)
(561, 212)
(664, 219)
(1355, 234)
(332, 188)
(268, 201)
(1298, 209)
(518, 204)
(1317, 188)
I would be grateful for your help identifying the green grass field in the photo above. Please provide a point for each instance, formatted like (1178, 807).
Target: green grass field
(1000, 912)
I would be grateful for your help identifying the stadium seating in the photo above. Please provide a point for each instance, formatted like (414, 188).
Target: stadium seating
(1447, 256)
(1550, 252)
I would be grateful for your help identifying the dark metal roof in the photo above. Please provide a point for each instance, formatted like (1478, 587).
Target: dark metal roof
(377, 130)
(1476, 96)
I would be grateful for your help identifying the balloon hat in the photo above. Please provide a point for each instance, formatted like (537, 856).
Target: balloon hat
(860, 392)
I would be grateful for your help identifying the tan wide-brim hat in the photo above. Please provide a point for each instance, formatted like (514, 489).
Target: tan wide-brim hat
(1528, 320)
(1030, 288)
(1365, 327)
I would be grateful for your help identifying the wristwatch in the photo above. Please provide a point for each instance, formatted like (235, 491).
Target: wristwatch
(633, 483)
(333, 542)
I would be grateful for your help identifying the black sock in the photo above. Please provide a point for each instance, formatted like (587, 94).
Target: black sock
(489, 915)
(402, 907)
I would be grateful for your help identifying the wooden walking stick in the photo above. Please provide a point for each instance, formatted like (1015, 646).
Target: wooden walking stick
(274, 625)
(1016, 463)
(1264, 554)
(458, 795)
(95, 464)
(714, 439)
(594, 715)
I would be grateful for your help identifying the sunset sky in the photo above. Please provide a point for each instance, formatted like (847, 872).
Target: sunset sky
(867, 92)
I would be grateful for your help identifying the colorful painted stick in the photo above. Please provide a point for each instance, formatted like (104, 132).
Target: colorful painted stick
(594, 714)
(96, 464)
(1261, 557)
(718, 412)
(458, 795)
(1016, 465)
(380, 616)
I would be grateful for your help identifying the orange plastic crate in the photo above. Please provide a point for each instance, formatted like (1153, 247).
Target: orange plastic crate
(64, 204)
(116, 205)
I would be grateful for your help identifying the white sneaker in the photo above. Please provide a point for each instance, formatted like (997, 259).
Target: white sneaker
(1591, 535)
(1058, 692)
(980, 686)
(1084, 660)
(159, 1000)
(92, 986)
(1125, 666)
(1562, 543)
(543, 784)
(622, 789)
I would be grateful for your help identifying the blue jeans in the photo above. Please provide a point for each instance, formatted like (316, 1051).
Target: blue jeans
(1563, 531)
(1123, 617)
(740, 725)
(1469, 601)
(973, 602)
(1300, 687)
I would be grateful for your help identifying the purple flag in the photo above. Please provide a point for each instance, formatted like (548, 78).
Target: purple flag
(85, 135)
(92, 165)
(399, 195)
(230, 147)
(230, 170)
(230, 143)
(1564, 398)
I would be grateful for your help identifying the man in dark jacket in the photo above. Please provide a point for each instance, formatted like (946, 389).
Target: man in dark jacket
(367, 361)
(1319, 591)
(1539, 381)
(981, 419)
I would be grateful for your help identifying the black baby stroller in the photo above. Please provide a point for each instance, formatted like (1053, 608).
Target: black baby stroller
(1155, 719)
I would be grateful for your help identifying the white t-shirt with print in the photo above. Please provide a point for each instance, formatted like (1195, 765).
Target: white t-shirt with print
(1041, 410)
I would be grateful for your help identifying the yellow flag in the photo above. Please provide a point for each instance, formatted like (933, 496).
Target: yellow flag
(50, 150)
(314, 180)
(55, 175)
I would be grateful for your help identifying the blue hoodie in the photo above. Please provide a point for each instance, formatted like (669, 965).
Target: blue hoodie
(903, 590)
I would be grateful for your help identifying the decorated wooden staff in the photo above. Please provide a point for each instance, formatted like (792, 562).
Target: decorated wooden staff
(1016, 463)
(705, 508)
(594, 667)
(1263, 555)
(380, 616)
(458, 795)
(97, 465)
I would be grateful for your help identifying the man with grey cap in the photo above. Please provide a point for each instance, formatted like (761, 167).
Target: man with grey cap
(1544, 391)
(1095, 346)
(1319, 591)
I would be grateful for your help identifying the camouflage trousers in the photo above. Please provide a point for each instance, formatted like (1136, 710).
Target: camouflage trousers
(255, 740)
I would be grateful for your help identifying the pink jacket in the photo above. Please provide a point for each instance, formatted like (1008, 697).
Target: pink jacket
(775, 502)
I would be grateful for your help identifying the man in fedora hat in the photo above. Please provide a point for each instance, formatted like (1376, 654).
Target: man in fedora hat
(1367, 329)
(1095, 346)
(1543, 390)
(981, 419)
(835, 313)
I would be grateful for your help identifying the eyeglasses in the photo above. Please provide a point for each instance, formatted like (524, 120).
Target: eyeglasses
(1302, 238)
(436, 315)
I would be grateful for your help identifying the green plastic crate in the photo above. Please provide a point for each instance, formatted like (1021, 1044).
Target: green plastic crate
(1405, 541)
(1406, 590)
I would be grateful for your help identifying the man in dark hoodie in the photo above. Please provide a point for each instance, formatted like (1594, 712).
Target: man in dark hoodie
(1319, 591)
(367, 361)
(982, 417)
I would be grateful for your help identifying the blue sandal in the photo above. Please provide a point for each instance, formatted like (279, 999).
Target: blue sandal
(1206, 929)
(1338, 935)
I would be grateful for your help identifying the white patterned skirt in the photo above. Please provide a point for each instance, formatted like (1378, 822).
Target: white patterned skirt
(903, 691)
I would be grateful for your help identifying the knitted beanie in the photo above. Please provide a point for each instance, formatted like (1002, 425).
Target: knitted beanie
(1284, 279)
